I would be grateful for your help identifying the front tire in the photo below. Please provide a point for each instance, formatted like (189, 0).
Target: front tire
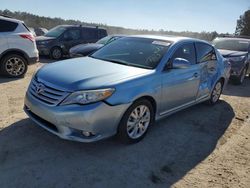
(216, 93)
(136, 121)
(13, 66)
(56, 53)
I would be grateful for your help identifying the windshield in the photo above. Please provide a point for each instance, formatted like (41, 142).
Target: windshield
(234, 45)
(131, 51)
(104, 40)
(55, 32)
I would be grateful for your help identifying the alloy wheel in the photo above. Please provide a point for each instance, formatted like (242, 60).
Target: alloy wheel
(242, 77)
(216, 92)
(15, 66)
(138, 121)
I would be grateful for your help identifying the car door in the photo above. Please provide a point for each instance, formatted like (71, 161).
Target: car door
(180, 86)
(207, 60)
(71, 37)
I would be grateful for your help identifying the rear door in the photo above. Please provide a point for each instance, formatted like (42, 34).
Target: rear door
(71, 37)
(180, 86)
(207, 60)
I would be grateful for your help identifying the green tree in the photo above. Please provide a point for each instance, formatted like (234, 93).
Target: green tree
(243, 24)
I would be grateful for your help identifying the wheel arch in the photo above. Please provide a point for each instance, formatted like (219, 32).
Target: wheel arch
(148, 98)
(14, 51)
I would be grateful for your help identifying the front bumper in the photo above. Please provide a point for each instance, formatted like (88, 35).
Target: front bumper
(33, 60)
(43, 50)
(68, 122)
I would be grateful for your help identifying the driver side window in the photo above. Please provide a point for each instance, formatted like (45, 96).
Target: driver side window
(186, 51)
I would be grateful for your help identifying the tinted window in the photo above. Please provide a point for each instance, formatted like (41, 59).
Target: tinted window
(90, 33)
(7, 26)
(205, 52)
(186, 51)
(72, 34)
(104, 40)
(132, 51)
(102, 33)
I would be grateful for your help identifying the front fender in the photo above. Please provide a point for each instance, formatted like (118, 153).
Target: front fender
(132, 90)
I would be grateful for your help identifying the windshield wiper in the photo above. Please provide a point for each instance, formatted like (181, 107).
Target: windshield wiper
(122, 62)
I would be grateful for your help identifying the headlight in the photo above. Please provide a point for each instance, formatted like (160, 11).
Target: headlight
(44, 42)
(86, 97)
(238, 58)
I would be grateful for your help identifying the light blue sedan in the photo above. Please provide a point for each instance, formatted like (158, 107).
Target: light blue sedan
(124, 87)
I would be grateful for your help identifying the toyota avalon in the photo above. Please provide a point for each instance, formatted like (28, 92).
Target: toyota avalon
(122, 88)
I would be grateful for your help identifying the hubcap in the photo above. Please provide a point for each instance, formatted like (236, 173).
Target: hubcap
(243, 76)
(138, 121)
(56, 53)
(216, 92)
(15, 66)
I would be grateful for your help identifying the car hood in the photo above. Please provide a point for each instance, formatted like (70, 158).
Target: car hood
(86, 73)
(44, 38)
(230, 53)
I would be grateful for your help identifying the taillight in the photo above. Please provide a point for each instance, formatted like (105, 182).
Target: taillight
(28, 36)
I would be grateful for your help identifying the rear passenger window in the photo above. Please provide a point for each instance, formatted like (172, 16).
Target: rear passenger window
(7, 26)
(102, 33)
(205, 52)
(90, 33)
(73, 34)
(186, 51)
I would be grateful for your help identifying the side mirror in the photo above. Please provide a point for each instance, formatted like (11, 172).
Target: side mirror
(180, 63)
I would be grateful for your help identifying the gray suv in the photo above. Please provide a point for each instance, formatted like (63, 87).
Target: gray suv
(57, 41)
(237, 51)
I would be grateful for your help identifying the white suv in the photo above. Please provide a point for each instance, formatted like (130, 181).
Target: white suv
(17, 47)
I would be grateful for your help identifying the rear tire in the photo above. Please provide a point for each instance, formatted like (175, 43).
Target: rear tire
(56, 53)
(136, 122)
(13, 66)
(239, 80)
(216, 93)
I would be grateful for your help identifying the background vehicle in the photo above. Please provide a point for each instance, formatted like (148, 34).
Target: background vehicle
(40, 31)
(86, 49)
(124, 86)
(237, 50)
(57, 41)
(17, 47)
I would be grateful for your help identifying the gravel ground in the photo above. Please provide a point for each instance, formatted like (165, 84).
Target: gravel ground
(202, 146)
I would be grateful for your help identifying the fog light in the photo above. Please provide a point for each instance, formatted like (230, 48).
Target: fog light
(85, 133)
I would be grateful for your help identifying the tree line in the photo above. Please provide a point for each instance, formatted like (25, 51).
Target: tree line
(35, 21)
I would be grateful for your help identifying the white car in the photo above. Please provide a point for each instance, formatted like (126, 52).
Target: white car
(17, 47)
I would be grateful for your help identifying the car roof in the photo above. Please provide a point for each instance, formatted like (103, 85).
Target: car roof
(83, 26)
(10, 19)
(170, 38)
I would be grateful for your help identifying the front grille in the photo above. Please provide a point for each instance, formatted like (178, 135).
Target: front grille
(45, 93)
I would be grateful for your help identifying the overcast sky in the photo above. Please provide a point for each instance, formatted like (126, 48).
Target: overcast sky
(176, 15)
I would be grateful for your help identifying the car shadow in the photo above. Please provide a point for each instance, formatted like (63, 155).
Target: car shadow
(242, 90)
(6, 80)
(33, 157)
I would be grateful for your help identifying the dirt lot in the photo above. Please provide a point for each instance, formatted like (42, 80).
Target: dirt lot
(202, 146)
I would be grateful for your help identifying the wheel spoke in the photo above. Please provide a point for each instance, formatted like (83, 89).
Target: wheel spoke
(138, 121)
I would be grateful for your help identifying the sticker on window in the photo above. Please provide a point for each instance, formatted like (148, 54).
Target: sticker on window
(162, 43)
